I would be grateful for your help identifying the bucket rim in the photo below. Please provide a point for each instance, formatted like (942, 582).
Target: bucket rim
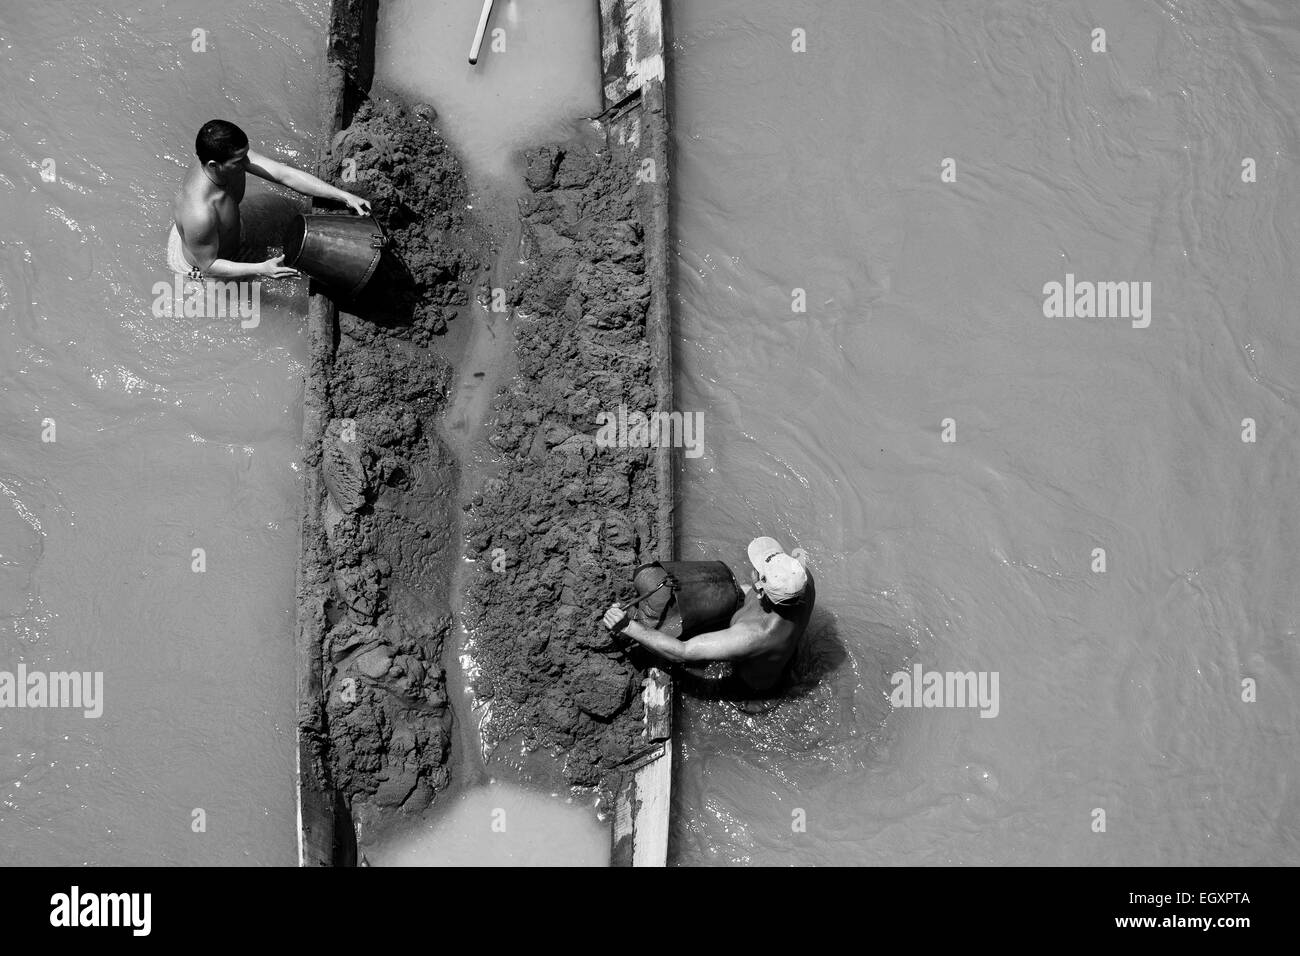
(296, 234)
(369, 273)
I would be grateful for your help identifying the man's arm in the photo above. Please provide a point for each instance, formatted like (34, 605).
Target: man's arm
(730, 644)
(202, 236)
(303, 182)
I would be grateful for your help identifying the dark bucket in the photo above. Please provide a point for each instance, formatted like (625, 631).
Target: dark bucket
(705, 599)
(340, 250)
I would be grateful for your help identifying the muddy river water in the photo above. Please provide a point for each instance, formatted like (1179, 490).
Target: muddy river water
(1121, 690)
(870, 200)
(171, 436)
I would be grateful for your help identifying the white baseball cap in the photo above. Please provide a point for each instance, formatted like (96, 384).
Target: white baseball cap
(781, 575)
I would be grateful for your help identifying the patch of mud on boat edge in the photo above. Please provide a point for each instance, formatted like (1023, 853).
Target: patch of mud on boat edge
(325, 833)
(633, 47)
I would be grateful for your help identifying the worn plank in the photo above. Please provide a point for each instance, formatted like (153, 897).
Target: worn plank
(636, 117)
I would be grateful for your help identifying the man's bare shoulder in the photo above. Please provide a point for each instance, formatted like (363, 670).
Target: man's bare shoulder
(194, 215)
(194, 198)
(758, 636)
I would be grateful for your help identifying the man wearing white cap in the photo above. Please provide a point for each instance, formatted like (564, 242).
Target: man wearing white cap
(764, 632)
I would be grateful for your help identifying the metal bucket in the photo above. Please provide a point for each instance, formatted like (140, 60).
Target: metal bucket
(340, 250)
(705, 598)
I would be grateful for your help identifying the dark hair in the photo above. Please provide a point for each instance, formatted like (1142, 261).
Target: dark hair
(218, 141)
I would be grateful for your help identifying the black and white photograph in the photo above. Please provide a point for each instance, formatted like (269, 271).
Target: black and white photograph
(718, 434)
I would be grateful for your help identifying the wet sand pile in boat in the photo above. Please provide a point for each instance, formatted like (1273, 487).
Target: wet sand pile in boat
(557, 533)
(381, 569)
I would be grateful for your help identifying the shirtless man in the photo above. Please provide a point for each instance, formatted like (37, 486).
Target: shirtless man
(763, 633)
(205, 240)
